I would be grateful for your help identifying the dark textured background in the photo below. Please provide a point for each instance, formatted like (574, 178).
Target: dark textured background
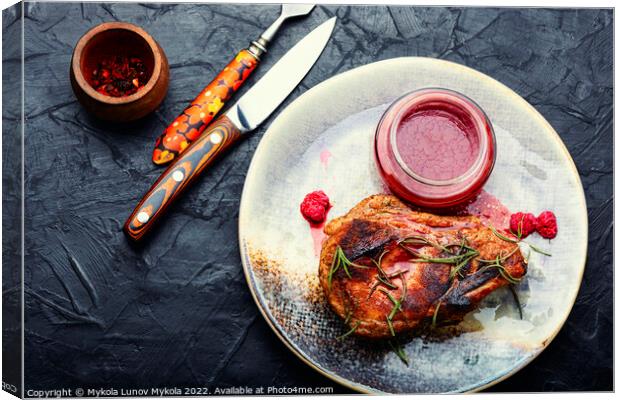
(177, 311)
(11, 203)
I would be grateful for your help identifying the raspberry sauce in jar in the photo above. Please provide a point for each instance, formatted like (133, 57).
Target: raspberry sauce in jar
(435, 148)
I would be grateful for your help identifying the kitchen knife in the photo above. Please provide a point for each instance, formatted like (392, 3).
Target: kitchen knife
(247, 114)
(189, 125)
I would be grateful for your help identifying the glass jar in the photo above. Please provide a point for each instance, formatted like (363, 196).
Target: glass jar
(435, 148)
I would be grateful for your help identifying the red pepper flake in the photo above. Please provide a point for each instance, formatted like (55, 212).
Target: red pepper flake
(315, 206)
(119, 76)
(523, 223)
(547, 225)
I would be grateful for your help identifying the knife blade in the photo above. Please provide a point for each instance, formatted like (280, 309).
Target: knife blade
(243, 117)
(202, 110)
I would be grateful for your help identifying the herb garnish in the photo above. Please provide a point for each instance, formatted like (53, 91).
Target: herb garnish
(344, 335)
(415, 239)
(501, 259)
(519, 240)
(389, 322)
(397, 303)
(515, 296)
(341, 261)
(348, 318)
(538, 250)
(435, 314)
(399, 351)
(502, 270)
(378, 263)
(386, 283)
(395, 274)
(504, 237)
(389, 295)
(459, 259)
(382, 277)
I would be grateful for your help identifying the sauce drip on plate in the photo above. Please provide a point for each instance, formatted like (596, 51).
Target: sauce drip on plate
(489, 209)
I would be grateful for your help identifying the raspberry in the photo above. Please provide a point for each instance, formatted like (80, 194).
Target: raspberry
(547, 225)
(315, 206)
(522, 222)
(318, 196)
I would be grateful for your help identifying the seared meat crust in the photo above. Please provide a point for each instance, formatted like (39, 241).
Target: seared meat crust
(375, 226)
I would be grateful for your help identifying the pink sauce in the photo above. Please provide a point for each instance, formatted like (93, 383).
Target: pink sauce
(437, 144)
(325, 156)
(484, 205)
(489, 209)
(318, 236)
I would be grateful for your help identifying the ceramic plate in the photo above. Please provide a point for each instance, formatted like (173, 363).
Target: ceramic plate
(323, 140)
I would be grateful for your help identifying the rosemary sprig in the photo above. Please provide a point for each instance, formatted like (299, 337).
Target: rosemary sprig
(458, 267)
(386, 283)
(519, 240)
(455, 259)
(383, 277)
(348, 317)
(389, 295)
(397, 307)
(434, 323)
(389, 322)
(501, 259)
(538, 250)
(399, 272)
(378, 263)
(520, 228)
(344, 335)
(399, 351)
(404, 287)
(340, 260)
(460, 259)
(515, 296)
(423, 241)
(503, 237)
(463, 242)
(397, 303)
(502, 270)
(506, 275)
(373, 288)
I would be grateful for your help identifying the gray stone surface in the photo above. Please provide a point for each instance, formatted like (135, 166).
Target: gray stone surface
(176, 311)
(11, 201)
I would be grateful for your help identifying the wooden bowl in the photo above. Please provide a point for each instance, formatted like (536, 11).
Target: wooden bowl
(119, 39)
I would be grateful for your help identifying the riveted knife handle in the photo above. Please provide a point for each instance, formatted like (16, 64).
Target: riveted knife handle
(190, 124)
(222, 133)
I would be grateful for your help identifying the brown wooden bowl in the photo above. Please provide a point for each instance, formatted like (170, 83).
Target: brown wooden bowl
(119, 39)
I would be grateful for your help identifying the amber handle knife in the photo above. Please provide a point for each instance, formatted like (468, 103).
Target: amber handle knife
(220, 136)
(191, 123)
(250, 111)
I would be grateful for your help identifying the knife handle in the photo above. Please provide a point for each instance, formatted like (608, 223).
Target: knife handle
(188, 126)
(222, 133)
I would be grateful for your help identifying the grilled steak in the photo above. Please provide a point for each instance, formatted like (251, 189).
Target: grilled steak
(386, 268)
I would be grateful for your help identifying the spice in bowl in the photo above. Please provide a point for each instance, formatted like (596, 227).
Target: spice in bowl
(435, 148)
(119, 76)
(119, 73)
